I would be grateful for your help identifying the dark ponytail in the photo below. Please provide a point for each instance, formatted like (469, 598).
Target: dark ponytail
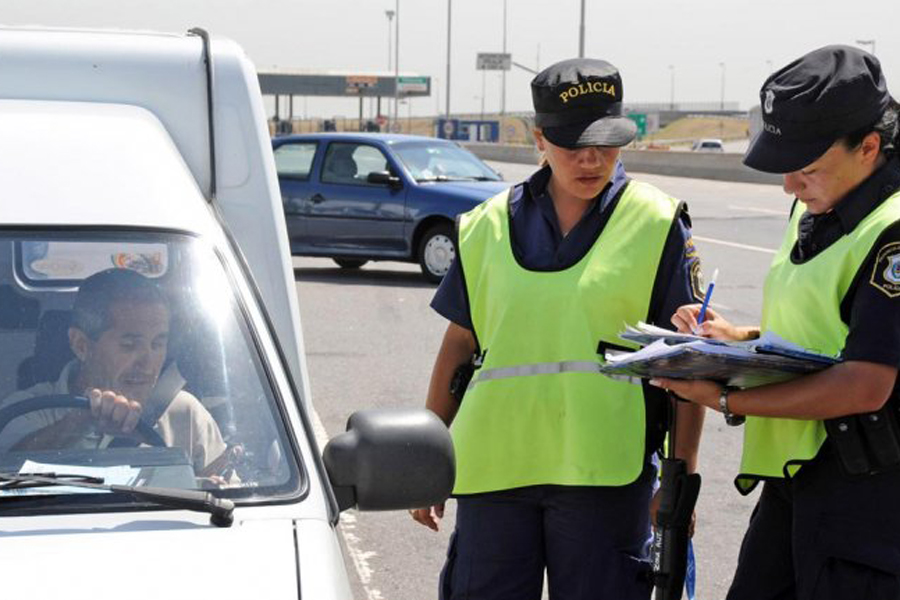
(887, 127)
(894, 149)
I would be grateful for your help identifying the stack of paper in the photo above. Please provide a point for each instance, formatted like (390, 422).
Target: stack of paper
(683, 356)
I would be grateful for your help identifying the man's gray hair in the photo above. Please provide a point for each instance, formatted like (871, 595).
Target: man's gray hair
(90, 312)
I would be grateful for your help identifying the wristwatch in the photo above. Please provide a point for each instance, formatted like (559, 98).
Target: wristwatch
(730, 418)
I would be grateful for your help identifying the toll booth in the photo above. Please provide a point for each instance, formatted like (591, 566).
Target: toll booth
(468, 130)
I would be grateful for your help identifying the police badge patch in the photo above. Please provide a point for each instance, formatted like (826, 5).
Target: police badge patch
(697, 281)
(886, 274)
(769, 104)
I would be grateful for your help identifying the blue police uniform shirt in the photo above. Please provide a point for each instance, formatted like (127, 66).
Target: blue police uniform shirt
(539, 245)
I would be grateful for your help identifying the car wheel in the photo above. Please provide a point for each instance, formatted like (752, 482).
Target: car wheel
(350, 263)
(437, 252)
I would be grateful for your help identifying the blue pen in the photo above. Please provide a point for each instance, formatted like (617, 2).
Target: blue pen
(709, 291)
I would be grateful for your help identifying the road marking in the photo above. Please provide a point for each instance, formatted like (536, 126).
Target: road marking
(347, 527)
(765, 211)
(733, 244)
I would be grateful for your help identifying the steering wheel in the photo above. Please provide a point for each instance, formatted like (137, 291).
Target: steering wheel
(52, 401)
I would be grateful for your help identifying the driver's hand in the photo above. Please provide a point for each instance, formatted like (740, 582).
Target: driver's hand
(112, 412)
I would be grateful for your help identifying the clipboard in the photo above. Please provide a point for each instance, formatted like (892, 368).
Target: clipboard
(738, 364)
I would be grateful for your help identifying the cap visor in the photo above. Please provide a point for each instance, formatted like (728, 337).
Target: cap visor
(608, 131)
(772, 154)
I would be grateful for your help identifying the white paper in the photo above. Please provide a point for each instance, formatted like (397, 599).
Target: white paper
(115, 475)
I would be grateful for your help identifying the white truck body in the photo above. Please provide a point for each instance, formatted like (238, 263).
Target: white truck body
(106, 132)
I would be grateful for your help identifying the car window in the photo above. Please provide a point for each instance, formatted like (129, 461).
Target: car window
(148, 320)
(351, 163)
(435, 161)
(295, 160)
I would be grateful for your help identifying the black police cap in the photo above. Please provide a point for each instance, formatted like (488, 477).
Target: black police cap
(813, 102)
(578, 102)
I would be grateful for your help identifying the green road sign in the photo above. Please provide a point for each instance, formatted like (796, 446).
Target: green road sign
(412, 84)
(640, 119)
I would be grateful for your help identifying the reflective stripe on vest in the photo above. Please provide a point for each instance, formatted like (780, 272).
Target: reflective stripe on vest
(801, 303)
(538, 411)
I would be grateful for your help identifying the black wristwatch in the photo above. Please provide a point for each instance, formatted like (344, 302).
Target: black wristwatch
(730, 418)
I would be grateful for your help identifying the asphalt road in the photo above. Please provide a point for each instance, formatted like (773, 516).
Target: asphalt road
(371, 339)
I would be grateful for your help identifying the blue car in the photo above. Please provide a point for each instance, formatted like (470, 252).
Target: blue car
(361, 197)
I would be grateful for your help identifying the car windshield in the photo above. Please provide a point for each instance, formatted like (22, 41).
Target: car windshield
(442, 161)
(128, 357)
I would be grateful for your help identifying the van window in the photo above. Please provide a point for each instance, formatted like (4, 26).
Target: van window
(151, 318)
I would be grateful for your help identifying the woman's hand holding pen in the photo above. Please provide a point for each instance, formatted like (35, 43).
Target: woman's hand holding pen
(713, 326)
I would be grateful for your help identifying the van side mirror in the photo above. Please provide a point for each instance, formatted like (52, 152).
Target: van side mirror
(391, 459)
(384, 178)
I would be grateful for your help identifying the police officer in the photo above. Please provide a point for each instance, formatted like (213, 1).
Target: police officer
(827, 524)
(554, 461)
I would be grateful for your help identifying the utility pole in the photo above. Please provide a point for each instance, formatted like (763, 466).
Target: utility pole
(396, 63)
(449, 12)
(671, 87)
(581, 33)
(722, 97)
(503, 76)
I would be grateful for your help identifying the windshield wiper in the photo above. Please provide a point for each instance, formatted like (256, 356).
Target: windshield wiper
(22, 481)
(221, 510)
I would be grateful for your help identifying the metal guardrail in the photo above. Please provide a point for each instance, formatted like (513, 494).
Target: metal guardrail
(718, 166)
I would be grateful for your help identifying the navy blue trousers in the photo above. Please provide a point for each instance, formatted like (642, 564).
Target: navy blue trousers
(593, 542)
(822, 536)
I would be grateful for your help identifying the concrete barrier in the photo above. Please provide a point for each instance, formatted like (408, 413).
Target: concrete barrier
(719, 166)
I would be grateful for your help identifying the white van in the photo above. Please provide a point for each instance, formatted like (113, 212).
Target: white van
(155, 433)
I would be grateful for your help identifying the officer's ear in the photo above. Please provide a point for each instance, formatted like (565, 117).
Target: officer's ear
(539, 138)
(870, 148)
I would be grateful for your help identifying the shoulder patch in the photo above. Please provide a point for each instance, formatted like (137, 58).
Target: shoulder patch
(697, 281)
(690, 250)
(886, 273)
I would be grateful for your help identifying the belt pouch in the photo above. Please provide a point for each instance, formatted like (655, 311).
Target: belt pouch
(879, 429)
(846, 439)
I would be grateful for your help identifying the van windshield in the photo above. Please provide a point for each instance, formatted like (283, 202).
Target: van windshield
(126, 356)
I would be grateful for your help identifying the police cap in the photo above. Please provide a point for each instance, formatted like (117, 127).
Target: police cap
(578, 102)
(813, 102)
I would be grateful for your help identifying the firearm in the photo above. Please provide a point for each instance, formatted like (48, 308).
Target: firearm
(463, 375)
(678, 496)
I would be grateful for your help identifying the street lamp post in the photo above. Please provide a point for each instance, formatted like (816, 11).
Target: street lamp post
(581, 33)
(722, 95)
(867, 43)
(671, 87)
(483, 81)
(503, 73)
(396, 61)
(449, 4)
(390, 17)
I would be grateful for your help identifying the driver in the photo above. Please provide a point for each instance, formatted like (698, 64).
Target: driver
(118, 334)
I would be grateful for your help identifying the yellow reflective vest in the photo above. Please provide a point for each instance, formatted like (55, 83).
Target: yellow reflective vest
(802, 304)
(538, 411)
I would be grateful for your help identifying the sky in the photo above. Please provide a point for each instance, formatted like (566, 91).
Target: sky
(691, 43)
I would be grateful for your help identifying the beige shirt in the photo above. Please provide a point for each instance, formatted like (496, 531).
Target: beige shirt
(185, 423)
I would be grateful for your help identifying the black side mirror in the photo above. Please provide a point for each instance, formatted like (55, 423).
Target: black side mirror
(391, 459)
(384, 178)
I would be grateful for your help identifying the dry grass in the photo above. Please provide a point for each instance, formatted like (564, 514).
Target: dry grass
(689, 129)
